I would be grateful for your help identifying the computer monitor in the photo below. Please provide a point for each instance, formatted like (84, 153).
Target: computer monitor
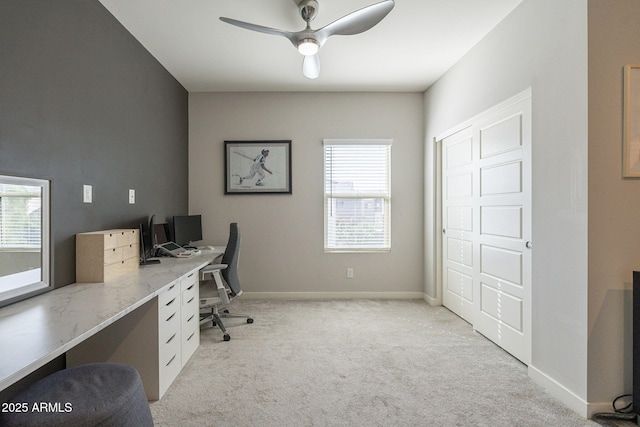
(187, 229)
(161, 233)
(147, 243)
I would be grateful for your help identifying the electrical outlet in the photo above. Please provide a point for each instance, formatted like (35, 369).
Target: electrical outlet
(132, 196)
(87, 194)
(349, 273)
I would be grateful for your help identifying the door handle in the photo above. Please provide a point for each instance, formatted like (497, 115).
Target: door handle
(529, 245)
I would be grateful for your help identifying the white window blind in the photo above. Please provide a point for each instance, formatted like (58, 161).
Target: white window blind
(20, 216)
(357, 194)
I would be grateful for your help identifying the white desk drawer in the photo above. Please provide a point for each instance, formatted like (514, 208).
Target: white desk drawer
(168, 295)
(190, 312)
(170, 307)
(190, 297)
(189, 280)
(169, 328)
(169, 310)
(170, 359)
(190, 342)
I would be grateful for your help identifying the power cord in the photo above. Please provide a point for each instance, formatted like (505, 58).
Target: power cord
(624, 413)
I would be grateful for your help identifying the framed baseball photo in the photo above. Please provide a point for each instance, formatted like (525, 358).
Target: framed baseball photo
(631, 139)
(257, 167)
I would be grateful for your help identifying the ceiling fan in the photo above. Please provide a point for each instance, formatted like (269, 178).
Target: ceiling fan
(309, 41)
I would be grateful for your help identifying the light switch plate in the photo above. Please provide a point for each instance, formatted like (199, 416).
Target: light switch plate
(132, 196)
(87, 194)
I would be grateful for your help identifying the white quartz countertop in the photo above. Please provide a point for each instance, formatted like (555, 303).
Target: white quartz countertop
(39, 329)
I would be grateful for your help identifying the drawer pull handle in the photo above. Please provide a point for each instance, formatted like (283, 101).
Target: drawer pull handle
(189, 302)
(170, 317)
(171, 339)
(189, 339)
(171, 287)
(174, 356)
(191, 287)
(170, 302)
(192, 316)
(189, 275)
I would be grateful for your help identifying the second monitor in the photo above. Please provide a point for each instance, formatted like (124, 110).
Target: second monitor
(187, 229)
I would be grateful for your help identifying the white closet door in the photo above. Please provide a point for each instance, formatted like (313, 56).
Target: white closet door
(504, 283)
(459, 254)
(495, 283)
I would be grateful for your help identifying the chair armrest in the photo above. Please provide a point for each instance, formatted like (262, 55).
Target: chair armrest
(210, 267)
(212, 272)
(222, 289)
(207, 272)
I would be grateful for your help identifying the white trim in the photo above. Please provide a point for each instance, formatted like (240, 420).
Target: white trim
(434, 302)
(329, 295)
(495, 109)
(563, 394)
(357, 141)
(46, 267)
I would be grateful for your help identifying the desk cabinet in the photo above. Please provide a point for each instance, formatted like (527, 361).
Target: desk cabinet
(157, 338)
(104, 255)
(169, 328)
(190, 332)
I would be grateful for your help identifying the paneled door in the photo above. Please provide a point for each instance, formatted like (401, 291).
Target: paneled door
(487, 231)
(459, 254)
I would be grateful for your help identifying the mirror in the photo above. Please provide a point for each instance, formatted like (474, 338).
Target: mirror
(24, 238)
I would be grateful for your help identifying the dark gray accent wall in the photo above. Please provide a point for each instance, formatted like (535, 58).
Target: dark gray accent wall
(82, 102)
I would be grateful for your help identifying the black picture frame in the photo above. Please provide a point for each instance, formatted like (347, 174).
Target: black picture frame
(257, 167)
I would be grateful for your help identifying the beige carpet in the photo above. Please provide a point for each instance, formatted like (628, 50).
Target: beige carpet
(354, 363)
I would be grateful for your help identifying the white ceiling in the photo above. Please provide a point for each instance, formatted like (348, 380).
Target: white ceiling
(407, 51)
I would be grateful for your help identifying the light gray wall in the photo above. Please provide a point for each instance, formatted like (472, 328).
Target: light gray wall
(614, 230)
(282, 248)
(543, 45)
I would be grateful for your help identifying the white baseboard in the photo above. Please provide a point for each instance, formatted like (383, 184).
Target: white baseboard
(330, 295)
(560, 392)
(432, 301)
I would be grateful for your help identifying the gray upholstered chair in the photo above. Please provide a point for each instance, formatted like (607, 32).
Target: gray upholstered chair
(96, 394)
(214, 300)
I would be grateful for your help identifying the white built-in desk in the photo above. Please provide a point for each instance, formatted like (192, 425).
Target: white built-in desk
(35, 331)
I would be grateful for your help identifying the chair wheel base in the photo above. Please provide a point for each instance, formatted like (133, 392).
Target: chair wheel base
(249, 320)
(226, 337)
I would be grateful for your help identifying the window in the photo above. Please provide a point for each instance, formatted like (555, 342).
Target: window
(357, 195)
(24, 238)
(20, 216)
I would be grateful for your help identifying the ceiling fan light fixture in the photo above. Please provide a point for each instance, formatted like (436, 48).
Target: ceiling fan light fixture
(308, 47)
(309, 41)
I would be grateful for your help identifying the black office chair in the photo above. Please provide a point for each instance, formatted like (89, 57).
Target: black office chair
(213, 301)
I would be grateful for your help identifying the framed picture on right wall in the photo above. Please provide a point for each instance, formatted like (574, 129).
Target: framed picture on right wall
(631, 137)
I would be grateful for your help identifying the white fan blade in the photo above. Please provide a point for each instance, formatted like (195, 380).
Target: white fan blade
(259, 28)
(311, 66)
(356, 22)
